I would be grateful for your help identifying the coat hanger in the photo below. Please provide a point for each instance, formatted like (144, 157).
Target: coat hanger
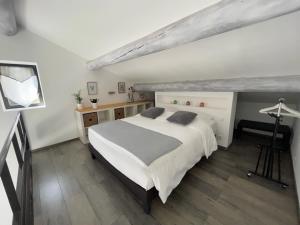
(279, 107)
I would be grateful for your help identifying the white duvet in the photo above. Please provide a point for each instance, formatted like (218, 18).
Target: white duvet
(167, 171)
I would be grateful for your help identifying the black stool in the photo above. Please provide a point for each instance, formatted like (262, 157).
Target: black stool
(268, 161)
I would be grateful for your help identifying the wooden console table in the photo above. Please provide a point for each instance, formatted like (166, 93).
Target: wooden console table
(88, 116)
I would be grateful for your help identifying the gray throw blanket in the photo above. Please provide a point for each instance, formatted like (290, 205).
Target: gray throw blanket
(147, 145)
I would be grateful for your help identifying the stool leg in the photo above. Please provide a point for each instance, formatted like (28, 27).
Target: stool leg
(259, 157)
(279, 170)
(265, 161)
(272, 162)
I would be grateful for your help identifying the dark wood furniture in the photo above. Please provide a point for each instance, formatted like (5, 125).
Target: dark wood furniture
(119, 113)
(269, 127)
(20, 199)
(143, 197)
(90, 119)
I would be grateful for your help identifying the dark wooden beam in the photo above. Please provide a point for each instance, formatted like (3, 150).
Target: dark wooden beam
(8, 25)
(257, 84)
(219, 18)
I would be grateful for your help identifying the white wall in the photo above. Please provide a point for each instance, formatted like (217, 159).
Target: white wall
(295, 151)
(62, 73)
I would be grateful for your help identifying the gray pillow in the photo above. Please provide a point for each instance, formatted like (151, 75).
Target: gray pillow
(182, 117)
(153, 112)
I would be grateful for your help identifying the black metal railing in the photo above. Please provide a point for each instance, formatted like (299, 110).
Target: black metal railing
(20, 198)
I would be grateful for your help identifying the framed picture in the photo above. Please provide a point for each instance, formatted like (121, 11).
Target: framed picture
(121, 87)
(20, 86)
(92, 88)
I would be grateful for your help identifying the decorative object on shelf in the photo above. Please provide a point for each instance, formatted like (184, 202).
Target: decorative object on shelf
(94, 102)
(202, 104)
(92, 88)
(175, 102)
(142, 96)
(78, 99)
(121, 87)
(111, 92)
(130, 94)
(20, 86)
(188, 103)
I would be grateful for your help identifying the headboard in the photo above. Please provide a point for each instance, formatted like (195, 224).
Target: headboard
(220, 105)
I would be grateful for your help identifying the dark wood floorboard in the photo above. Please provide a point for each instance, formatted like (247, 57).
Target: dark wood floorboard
(72, 189)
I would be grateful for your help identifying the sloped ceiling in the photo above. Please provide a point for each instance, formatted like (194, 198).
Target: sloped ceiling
(92, 28)
(271, 48)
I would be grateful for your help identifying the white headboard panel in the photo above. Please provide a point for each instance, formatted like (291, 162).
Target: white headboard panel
(220, 105)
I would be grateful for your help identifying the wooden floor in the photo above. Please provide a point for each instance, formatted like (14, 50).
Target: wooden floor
(71, 188)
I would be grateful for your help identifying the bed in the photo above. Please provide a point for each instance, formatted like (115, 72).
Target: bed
(165, 173)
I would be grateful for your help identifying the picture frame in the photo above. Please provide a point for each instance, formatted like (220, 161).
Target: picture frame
(121, 87)
(92, 88)
(20, 86)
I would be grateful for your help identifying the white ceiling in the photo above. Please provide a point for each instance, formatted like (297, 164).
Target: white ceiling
(91, 28)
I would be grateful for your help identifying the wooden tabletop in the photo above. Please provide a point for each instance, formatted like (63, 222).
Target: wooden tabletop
(109, 106)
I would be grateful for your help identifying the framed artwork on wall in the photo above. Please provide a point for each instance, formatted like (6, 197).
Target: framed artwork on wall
(20, 86)
(92, 88)
(121, 87)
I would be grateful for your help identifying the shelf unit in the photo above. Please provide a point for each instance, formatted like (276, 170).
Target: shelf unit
(88, 116)
(140, 108)
(130, 111)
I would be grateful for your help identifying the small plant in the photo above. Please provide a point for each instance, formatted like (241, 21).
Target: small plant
(94, 100)
(78, 97)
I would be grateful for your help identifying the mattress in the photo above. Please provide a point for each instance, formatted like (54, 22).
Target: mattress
(121, 160)
(166, 172)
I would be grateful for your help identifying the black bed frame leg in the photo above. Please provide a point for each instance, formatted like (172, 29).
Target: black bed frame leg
(93, 156)
(147, 204)
(147, 201)
(147, 208)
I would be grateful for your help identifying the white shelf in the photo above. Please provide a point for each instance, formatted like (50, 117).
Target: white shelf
(193, 107)
(219, 105)
(130, 110)
(140, 108)
(105, 113)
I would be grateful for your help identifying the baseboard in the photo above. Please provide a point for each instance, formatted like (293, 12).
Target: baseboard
(54, 145)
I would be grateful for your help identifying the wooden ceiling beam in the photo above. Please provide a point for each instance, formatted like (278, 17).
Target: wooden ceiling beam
(216, 19)
(256, 84)
(8, 24)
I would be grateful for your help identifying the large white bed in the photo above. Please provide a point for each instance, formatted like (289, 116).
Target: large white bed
(166, 172)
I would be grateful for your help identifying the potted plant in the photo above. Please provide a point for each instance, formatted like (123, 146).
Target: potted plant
(94, 102)
(78, 99)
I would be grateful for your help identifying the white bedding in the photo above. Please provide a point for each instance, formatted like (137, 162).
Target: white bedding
(166, 172)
